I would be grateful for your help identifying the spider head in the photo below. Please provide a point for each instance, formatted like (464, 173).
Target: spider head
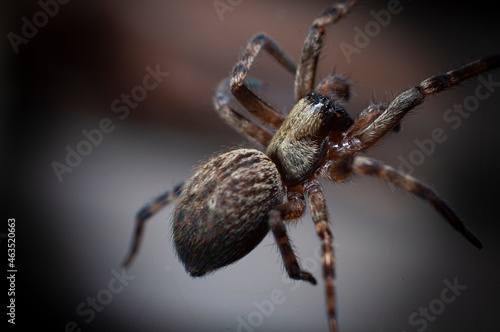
(332, 115)
(300, 143)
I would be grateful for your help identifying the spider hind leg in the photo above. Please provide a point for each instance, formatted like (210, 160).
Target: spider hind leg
(144, 214)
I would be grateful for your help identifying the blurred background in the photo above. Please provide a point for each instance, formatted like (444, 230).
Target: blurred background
(66, 71)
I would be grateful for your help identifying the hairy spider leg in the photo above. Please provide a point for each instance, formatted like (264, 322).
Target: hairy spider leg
(292, 209)
(319, 214)
(238, 122)
(306, 70)
(256, 106)
(413, 97)
(144, 214)
(366, 116)
(412, 185)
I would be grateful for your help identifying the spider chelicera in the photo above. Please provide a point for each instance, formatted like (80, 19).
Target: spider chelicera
(231, 202)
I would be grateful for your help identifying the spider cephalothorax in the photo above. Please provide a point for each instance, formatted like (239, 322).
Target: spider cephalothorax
(231, 202)
(302, 140)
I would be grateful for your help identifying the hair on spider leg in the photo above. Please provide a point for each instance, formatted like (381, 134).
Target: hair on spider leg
(144, 214)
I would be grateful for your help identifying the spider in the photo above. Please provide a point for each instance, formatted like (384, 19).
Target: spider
(232, 201)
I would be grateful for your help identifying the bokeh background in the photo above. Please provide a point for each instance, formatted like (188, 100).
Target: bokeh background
(393, 252)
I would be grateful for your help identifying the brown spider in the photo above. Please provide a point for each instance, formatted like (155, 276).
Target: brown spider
(231, 202)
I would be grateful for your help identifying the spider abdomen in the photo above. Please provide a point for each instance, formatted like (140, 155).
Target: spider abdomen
(222, 211)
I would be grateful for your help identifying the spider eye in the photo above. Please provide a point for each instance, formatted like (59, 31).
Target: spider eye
(335, 118)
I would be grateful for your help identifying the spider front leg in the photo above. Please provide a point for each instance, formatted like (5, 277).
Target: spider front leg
(366, 116)
(259, 108)
(144, 214)
(407, 182)
(306, 70)
(319, 213)
(292, 209)
(413, 97)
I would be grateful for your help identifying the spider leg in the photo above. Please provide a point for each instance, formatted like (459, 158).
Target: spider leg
(143, 215)
(413, 97)
(306, 70)
(259, 108)
(334, 85)
(292, 209)
(289, 259)
(238, 122)
(319, 214)
(407, 182)
(366, 116)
